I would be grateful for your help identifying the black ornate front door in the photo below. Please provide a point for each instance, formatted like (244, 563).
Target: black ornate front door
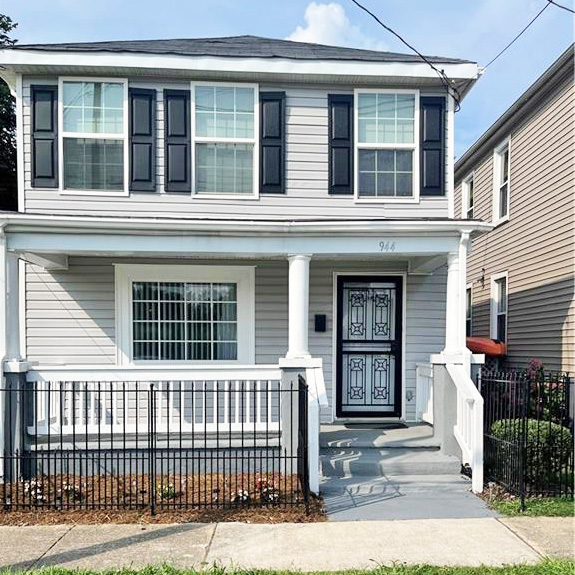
(369, 336)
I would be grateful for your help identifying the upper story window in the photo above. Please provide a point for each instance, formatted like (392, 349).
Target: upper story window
(386, 144)
(467, 188)
(501, 183)
(499, 306)
(93, 123)
(225, 136)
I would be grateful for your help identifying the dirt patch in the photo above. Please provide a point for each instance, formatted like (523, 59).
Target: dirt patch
(271, 498)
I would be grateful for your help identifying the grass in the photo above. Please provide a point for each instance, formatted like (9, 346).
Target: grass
(547, 567)
(536, 507)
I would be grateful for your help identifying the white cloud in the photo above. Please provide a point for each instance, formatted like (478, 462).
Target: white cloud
(329, 24)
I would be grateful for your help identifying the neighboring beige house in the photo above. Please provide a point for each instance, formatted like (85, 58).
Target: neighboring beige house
(519, 175)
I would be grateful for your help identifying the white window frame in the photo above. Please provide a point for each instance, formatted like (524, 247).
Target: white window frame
(103, 136)
(465, 196)
(497, 159)
(495, 303)
(415, 147)
(255, 141)
(469, 312)
(243, 276)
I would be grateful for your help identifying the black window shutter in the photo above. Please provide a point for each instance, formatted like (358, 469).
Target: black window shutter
(44, 128)
(177, 141)
(142, 132)
(340, 160)
(272, 142)
(432, 144)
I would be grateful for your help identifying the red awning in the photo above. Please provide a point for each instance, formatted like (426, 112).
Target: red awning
(490, 347)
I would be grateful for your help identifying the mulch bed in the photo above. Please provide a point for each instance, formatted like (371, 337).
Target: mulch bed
(102, 499)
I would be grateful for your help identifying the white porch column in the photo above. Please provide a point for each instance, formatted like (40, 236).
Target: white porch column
(12, 322)
(452, 311)
(298, 306)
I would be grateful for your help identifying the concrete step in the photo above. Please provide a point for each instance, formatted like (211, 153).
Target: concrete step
(371, 462)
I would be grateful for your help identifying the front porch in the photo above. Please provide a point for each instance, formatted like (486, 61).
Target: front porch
(71, 321)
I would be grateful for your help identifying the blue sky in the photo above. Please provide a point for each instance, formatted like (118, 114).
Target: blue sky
(471, 29)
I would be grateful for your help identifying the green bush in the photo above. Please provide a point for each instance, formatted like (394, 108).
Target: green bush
(549, 447)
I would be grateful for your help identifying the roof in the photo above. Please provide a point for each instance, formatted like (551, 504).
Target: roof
(239, 47)
(532, 100)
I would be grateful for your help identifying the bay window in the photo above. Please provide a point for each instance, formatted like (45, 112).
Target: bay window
(224, 134)
(386, 144)
(93, 123)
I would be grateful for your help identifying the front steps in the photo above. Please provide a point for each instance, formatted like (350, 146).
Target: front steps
(369, 473)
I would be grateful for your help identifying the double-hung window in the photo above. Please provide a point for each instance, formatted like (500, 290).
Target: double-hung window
(501, 182)
(93, 121)
(386, 145)
(185, 313)
(467, 197)
(225, 130)
(499, 306)
(468, 310)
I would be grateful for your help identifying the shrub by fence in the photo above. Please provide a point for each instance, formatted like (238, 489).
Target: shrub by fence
(528, 437)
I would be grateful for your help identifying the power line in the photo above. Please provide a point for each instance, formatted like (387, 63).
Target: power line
(561, 6)
(445, 80)
(520, 33)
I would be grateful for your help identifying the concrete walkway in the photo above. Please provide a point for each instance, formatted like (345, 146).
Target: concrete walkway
(307, 547)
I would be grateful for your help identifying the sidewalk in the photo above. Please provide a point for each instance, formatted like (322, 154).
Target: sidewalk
(306, 547)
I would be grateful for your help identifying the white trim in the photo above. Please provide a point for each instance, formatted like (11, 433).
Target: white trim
(414, 199)
(277, 66)
(124, 137)
(449, 160)
(465, 195)
(20, 167)
(497, 156)
(469, 286)
(244, 276)
(494, 301)
(366, 273)
(22, 306)
(254, 141)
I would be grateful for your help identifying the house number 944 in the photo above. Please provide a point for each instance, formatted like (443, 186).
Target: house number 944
(386, 246)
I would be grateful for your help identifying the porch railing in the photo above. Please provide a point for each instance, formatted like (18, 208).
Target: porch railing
(468, 429)
(424, 392)
(108, 400)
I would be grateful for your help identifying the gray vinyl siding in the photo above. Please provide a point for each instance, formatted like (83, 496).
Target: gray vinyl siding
(70, 315)
(306, 174)
(536, 245)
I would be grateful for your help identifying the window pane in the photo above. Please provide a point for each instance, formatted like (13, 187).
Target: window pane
(385, 173)
(404, 184)
(386, 132)
(405, 132)
(229, 170)
(503, 194)
(93, 107)
(367, 104)
(386, 106)
(502, 295)
(225, 332)
(386, 160)
(205, 98)
(93, 164)
(225, 351)
(405, 106)
(386, 118)
(385, 184)
(366, 160)
(367, 131)
(244, 100)
(366, 184)
(404, 161)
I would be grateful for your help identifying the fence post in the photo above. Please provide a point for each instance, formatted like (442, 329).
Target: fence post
(152, 447)
(302, 451)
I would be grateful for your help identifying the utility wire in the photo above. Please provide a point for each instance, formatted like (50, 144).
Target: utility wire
(445, 80)
(518, 35)
(561, 6)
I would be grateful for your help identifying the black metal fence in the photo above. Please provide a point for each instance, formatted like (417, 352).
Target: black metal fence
(528, 431)
(162, 445)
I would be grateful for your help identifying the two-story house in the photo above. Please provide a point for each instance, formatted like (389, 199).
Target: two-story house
(520, 176)
(242, 209)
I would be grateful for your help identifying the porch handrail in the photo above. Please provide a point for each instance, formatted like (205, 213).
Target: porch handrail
(469, 427)
(240, 398)
(424, 392)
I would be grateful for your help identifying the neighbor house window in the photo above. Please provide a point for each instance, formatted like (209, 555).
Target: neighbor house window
(499, 307)
(225, 123)
(467, 197)
(93, 127)
(501, 185)
(185, 313)
(468, 310)
(386, 144)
